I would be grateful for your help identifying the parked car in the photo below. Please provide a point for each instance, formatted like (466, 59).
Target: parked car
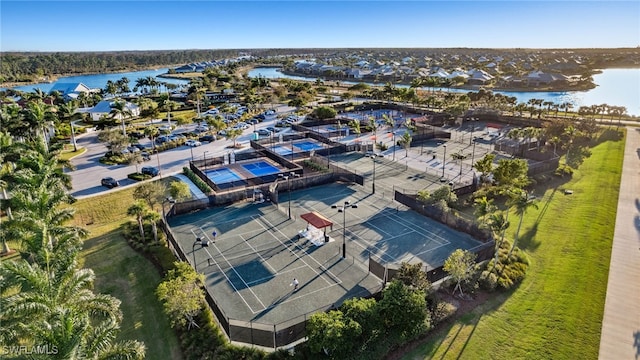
(136, 134)
(162, 139)
(207, 138)
(145, 156)
(109, 182)
(193, 143)
(272, 129)
(165, 128)
(263, 132)
(150, 170)
(139, 146)
(202, 128)
(133, 149)
(212, 112)
(253, 121)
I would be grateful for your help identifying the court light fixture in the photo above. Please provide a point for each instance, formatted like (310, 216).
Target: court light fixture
(343, 209)
(203, 242)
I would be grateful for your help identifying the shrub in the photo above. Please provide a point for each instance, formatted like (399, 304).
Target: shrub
(138, 176)
(314, 166)
(203, 186)
(382, 146)
(564, 170)
(509, 271)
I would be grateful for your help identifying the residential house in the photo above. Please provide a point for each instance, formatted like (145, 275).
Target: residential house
(103, 108)
(71, 91)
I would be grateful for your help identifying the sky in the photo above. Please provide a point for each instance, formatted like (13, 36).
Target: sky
(210, 24)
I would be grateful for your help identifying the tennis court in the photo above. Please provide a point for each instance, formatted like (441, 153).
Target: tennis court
(261, 168)
(308, 145)
(257, 251)
(222, 175)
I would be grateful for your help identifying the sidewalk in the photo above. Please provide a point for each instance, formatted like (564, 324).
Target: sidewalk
(620, 337)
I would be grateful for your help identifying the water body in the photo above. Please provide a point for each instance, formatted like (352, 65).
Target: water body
(99, 81)
(618, 87)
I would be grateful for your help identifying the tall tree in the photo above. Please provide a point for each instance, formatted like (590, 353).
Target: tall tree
(138, 209)
(522, 202)
(120, 110)
(56, 306)
(68, 113)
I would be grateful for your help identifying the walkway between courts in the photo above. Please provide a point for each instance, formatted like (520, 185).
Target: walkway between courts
(197, 193)
(620, 337)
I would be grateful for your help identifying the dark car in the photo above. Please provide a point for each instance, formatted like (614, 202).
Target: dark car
(263, 132)
(208, 138)
(150, 170)
(140, 146)
(145, 156)
(136, 134)
(109, 182)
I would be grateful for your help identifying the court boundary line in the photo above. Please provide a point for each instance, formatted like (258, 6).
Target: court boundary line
(333, 277)
(235, 271)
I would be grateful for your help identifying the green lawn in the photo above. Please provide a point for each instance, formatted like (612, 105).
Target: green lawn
(125, 274)
(70, 154)
(556, 313)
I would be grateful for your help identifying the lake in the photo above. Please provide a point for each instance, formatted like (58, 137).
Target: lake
(619, 87)
(99, 81)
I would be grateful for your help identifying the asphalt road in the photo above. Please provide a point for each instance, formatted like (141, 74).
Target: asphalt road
(89, 171)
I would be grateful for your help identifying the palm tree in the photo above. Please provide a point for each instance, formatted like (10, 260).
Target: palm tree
(40, 116)
(152, 132)
(405, 142)
(56, 306)
(522, 202)
(498, 222)
(139, 209)
(216, 123)
(232, 134)
(483, 207)
(169, 106)
(153, 217)
(120, 110)
(68, 112)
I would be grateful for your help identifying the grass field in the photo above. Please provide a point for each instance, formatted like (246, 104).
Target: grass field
(556, 313)
(125, 274)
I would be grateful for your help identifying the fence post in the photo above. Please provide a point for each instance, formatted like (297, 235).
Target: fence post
(275, 345)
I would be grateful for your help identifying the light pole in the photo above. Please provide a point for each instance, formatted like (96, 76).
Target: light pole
(204, 156)
(191, 148)
(203, 243)
(343, 209)
(167, 200)
(444, 159)
(288, 178)
(473, 153)
(373, 185)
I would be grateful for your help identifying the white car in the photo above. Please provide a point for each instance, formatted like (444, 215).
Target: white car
(165, 128)
(193, 143)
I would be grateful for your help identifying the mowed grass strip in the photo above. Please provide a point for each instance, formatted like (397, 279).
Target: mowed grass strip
(556, 313)
(125, 274)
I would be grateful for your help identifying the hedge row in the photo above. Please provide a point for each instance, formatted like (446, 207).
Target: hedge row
(203, 186)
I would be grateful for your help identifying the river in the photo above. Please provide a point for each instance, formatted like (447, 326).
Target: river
(618, 87)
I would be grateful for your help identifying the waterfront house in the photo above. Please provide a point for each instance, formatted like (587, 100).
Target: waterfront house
(103, 108)
(71, 91)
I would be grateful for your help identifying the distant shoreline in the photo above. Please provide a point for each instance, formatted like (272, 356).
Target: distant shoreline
(55, 77)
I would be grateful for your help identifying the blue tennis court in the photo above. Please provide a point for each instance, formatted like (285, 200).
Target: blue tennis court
(222, 176)
(282, 151)
(307, 146)
(261, 168)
